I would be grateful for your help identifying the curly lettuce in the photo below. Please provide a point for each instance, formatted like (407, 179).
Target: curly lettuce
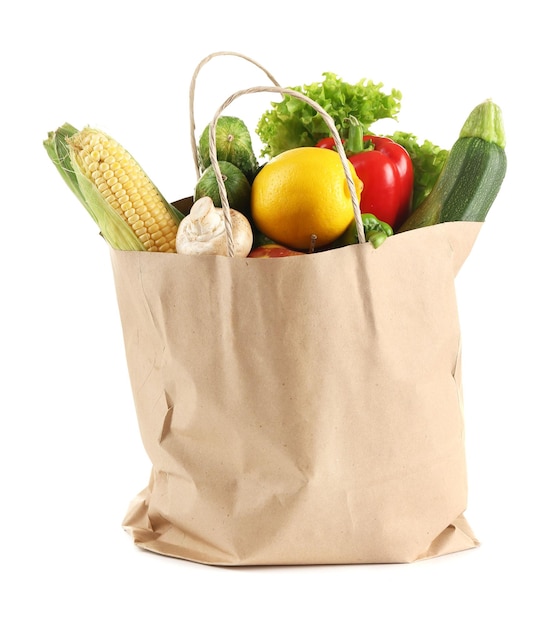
(291, 122)
(428, 160)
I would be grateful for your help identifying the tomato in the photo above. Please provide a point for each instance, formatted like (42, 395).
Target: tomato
(272, 250)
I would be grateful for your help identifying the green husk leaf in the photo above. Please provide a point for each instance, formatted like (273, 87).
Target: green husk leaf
(176, 214)
(59, 152)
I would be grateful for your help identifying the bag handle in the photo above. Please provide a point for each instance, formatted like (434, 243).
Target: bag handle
(334, 132)
(200, 65)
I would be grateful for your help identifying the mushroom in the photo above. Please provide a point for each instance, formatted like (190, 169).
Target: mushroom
(203, 231)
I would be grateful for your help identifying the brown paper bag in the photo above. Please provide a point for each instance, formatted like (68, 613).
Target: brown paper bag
(300, 410)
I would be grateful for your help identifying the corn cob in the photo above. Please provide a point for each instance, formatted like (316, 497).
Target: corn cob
(129, 210)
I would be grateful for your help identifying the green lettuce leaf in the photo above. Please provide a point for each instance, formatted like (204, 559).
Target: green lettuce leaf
(428, 160)
(291, 123)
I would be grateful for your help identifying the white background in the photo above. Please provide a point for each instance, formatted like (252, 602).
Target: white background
(70, 453)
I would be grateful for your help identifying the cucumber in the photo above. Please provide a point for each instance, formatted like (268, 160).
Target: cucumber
(472, 175)
(233, 144)
(238, 188)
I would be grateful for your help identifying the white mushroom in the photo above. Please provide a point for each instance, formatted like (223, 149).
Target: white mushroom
(203, 231)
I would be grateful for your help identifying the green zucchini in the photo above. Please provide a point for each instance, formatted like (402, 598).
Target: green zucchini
(472, 175)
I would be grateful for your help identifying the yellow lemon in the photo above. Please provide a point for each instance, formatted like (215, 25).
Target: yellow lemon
(303, 194)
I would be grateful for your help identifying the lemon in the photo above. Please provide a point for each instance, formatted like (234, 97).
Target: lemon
(302, 194)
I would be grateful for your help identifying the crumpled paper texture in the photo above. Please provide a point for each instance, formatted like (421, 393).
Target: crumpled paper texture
(300, 410)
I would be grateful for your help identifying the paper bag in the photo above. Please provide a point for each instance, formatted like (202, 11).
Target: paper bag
(300, 410)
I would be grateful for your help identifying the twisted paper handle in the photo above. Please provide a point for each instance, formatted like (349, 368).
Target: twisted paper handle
(212, 140)
(200, 65)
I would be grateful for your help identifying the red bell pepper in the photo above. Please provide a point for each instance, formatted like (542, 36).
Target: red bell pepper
(386, 171)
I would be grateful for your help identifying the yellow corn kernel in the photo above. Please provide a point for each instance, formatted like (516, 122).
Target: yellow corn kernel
(126, 187)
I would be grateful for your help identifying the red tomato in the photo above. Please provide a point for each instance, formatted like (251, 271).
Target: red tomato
(272, 250)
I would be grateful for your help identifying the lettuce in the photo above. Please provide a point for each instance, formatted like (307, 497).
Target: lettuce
(291, 122)
(428, 160)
